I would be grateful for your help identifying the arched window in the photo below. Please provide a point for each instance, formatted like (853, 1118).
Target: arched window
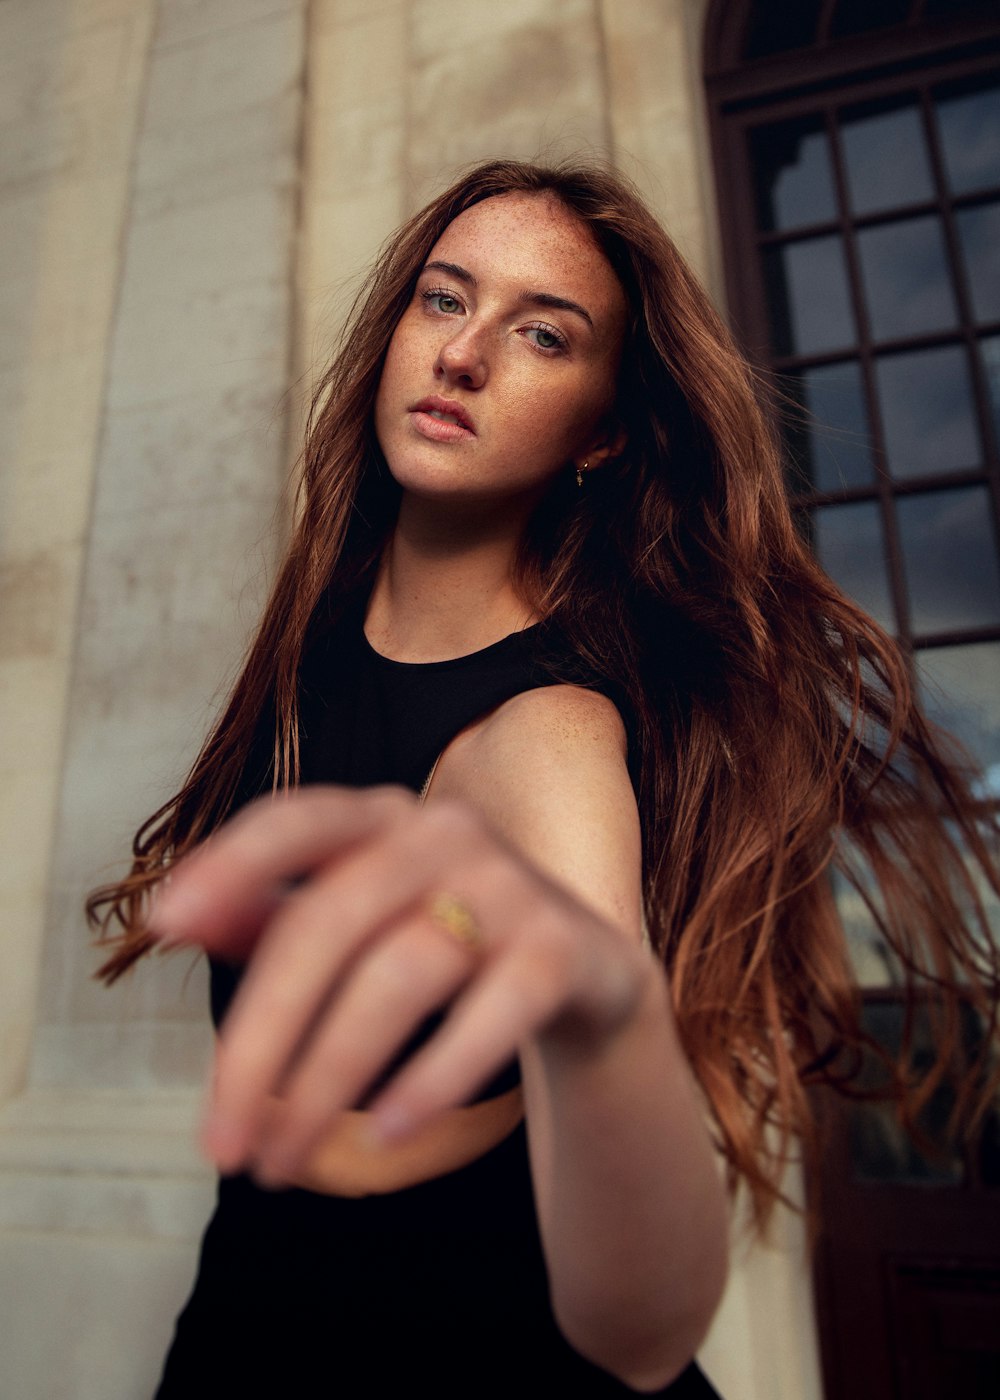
(858, 164)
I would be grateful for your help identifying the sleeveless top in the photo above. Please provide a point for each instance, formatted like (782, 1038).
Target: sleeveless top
(442, 1286)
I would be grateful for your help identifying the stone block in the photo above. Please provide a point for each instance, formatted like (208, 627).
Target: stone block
(500, 100)
(142, 1055)
(33, 585)
(193, 83)
(358, 148)
(181, 21)
(34, 24)
(121, 1297)
(342, 234)
(197, 447)
(336, 14)
(480, 33)
(184, 341)
(97, 1204)
(39, 150)
(49, 410)
(56, 296)
(364, 62)
(250, 149)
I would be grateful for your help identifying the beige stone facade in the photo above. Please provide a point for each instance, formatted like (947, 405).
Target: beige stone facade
(189, 191)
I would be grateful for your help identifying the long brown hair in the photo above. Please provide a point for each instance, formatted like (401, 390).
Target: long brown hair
(776, 736)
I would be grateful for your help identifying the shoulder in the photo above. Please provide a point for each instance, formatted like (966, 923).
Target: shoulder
(548, 769)
(561, 721)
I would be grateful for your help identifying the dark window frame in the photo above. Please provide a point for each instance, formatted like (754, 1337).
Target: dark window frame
(817, 80)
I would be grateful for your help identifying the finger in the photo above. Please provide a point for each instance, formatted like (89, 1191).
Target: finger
(226, 886)
(297, 967)
(391, 990)
(519, 992)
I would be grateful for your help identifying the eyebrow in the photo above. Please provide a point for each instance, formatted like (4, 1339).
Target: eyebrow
(462, 274)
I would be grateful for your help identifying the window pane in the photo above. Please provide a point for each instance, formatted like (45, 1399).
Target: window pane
(927, 413)
(861, 16)
(886, 158)
(881, 1149)
(792, 169)
(831, 443)
(950, 556)
(807, 296)
(873, 962)
(906, 278)
(979, 233)
(970, 136)
(960, 687)
(775, 29)
(849, 545)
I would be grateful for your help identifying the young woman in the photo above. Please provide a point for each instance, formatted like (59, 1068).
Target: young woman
(545, 579)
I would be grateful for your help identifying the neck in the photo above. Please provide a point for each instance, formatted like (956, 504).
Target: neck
(444, 585)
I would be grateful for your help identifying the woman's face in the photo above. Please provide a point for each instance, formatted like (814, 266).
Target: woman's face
(502, 370)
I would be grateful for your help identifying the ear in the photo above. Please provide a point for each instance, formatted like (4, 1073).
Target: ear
(606, 445)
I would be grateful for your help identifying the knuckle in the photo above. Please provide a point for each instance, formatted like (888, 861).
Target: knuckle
(451, 820)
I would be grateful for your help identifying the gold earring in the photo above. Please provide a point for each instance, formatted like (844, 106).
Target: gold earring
(579, 473)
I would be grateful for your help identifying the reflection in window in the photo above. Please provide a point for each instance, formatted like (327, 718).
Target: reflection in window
(979, 233)
(927, 413)
(950, 556)
(830, 443)
(807, 296)
(959, 686)
(848, 541)
(881, 1149)
(905, 272)
(793, 180)
(970, 137)
(872, 960)
(886, 160)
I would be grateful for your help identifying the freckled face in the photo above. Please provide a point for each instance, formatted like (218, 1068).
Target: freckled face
(502, 370)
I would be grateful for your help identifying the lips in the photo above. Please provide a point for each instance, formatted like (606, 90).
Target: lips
(441, 420)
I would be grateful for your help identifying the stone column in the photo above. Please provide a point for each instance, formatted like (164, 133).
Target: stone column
(153, 199)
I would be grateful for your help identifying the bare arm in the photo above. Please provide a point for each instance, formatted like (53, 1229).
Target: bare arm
(628, 1194)
(326, 894)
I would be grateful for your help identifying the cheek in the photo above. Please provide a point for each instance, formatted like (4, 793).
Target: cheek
(390, 367)
(568, 421)
(391, 381)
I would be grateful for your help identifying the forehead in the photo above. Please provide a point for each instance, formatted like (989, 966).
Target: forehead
(534, 243)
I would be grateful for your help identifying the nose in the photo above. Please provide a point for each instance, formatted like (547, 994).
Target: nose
(461, 359)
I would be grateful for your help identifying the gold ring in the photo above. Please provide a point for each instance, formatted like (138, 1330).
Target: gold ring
(454, 917)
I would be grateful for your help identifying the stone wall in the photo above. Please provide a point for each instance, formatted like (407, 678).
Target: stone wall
(191, 189)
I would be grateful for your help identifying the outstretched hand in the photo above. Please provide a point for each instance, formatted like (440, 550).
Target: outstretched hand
(359, 913)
